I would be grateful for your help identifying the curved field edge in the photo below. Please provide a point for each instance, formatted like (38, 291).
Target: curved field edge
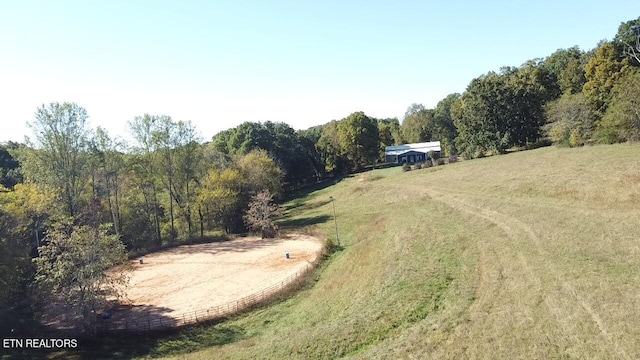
(528, 255)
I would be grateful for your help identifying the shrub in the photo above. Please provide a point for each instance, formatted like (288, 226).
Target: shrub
(440, 161)
(428, 164)
(417, 166)
(453, 158)
(406, 167)
(433, 155)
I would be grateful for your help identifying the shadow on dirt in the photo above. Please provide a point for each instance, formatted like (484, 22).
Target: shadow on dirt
(237, 245)
(122, 318)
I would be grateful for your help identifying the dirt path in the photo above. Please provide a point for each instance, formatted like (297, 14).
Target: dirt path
(179, 281)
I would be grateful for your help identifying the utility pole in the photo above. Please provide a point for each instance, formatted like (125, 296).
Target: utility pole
(335, 220)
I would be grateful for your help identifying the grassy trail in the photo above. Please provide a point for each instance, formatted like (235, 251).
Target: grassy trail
(528, 255)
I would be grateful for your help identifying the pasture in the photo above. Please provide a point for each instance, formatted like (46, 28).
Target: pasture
(533, 254)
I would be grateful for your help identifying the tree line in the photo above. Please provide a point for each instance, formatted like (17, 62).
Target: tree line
(71, 187)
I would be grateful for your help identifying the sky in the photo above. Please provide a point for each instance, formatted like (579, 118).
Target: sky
(221, 63)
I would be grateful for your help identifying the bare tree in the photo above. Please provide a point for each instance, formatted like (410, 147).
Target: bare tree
(262, 213)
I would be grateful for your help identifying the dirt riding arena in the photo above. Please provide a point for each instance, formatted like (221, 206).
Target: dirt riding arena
(192, 278)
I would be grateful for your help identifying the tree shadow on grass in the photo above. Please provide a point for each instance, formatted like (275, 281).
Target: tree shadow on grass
(158, 344)
(308, 190)
(305, 221)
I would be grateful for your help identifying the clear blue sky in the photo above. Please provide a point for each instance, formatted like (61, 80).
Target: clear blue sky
(220, 63)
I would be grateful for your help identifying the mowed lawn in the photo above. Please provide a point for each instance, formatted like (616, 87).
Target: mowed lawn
(533, 254)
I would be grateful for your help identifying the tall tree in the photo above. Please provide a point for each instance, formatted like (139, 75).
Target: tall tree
(628, 40)
(621, 122)
(308, 139)
(572, 78)
(259, 172)
(502, 110)
(566, 67)
(165, 139)
(330, 149)
(359, 139)
(418, 124)
(444, 126)
(219, 195)
(144, 166)
(61, 138)
(188, 156)
(110, 161)
(601, 72)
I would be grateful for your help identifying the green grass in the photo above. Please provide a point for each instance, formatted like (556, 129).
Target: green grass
(534, 254)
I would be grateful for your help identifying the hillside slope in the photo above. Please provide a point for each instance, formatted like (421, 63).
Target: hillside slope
(527, 255)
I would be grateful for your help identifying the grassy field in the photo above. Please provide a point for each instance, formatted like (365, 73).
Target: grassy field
(533, 254)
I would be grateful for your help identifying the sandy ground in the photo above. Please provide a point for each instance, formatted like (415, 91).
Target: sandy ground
(187, 278)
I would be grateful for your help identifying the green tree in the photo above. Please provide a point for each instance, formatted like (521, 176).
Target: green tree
(330, 149)
(557, 62)
(621, 122)
(445, 128)
(359, 139)
(188, 159)
(627, 40)
(566, 67)
(259, 172)
(219, 195)
(15, 259)
(61, 138)
(9, 166)
(278, 139)
(308, 139)
(502, 110)
(571, 120)
(601, 72)
(389, 132)
(572, 78)
(109, 158)
(144, 169)
(418, 124)
(73, 265)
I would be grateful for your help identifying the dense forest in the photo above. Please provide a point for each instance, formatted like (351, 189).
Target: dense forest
(71, 188)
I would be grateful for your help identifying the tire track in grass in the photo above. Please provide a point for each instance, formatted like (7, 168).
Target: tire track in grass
(501, 269)
(511, 226)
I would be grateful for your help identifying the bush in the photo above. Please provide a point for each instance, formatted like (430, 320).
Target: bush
(417, 166)
(453, 158)
(428, 164)
(433, 155)
(406, 167)
(440, 161)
